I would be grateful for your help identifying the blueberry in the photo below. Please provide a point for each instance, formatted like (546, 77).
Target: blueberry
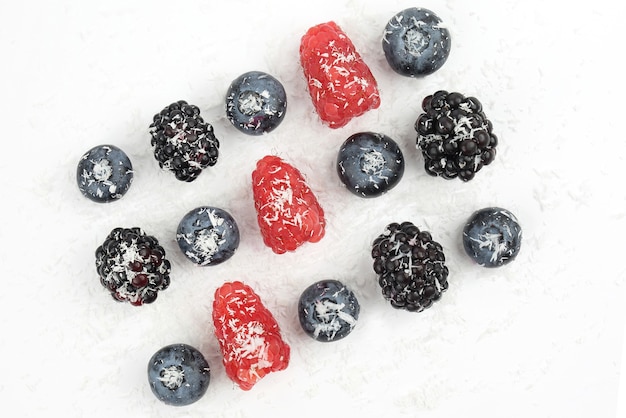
(328, 310)
(208, 235)
(256, 103)
(370, 164)
(104, 173)
(415, 42)
(178, 374)
(492, 237)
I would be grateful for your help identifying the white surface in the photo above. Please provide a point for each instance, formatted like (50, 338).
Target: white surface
(540, 337)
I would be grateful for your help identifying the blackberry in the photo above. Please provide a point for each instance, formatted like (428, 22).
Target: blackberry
(415, 42)
(132, 266)
(492, 237)
(410, 267)
(104, 173)
(454, 135)
(178, 374)
(182, 141)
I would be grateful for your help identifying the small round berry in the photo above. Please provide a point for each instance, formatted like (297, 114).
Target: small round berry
(370, 164)
(178, 374)
(104, 173)
(256, 103)
(415, 42)
(208, 235)
(328, 310)
(492, 237)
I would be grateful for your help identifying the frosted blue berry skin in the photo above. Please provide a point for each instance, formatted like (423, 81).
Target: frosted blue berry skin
(104, 174)
(178, 374)
(415, 42)
(492, 237)
(328, 310)
(256, 103)
(208, 235)
(370, 164)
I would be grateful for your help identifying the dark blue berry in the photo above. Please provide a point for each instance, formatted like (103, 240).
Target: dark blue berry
(328, 310)
(256, 103)
(178, 374)
(208, 235)
(370, 164)
(104, 173)
(492, 237)
(415, 42)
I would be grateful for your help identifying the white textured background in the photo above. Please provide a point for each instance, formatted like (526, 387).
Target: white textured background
(541, 337)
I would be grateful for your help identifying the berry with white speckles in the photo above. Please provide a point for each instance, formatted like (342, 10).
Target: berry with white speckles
(178, 374)
(256, 103)
(328, 310)
(104, 173)
(492, 237)
(208, 235)
(370, 164)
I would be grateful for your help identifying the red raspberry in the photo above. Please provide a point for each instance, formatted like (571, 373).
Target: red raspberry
(341, 85)
(287, 210)
(248, 335)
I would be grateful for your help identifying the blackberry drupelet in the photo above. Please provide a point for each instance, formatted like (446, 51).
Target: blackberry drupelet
(410, 267)
(454, 136)
(132, 266)
(182, 141)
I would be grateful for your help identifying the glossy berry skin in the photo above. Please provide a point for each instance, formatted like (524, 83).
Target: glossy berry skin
(328, 310)
(208, 235)
(288, 213)
(340, 83)
(132, 266)
(454, 135)
(492, 237)
(249, 337)
(178, 374)
(410, 266)
(415, 42)
(183, 143)
(370, 164)
(104, 174)
(256, 103)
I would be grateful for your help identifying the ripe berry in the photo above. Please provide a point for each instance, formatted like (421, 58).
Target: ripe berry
(208, 235)
(410, 267)
(182, 141)
(454, 136)
(492, 237)
(248, 335)
(415, 42)
(178, 374)
(132, 266)
(370, 164)
(328, 310)
(104, 173)
(256, 103)
(340, 84)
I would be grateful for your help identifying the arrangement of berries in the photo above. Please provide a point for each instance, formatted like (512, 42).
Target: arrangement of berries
(288, 212)
(248, 334)
(256, 103)
(132, 266)
(454, 135)
(492, 237)
(178, 374)
(410, 266)
(455, 139)
(208, 235)
(328, 310)
(370, 164)
(104, 173)
(183, 142)
(340, 84)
